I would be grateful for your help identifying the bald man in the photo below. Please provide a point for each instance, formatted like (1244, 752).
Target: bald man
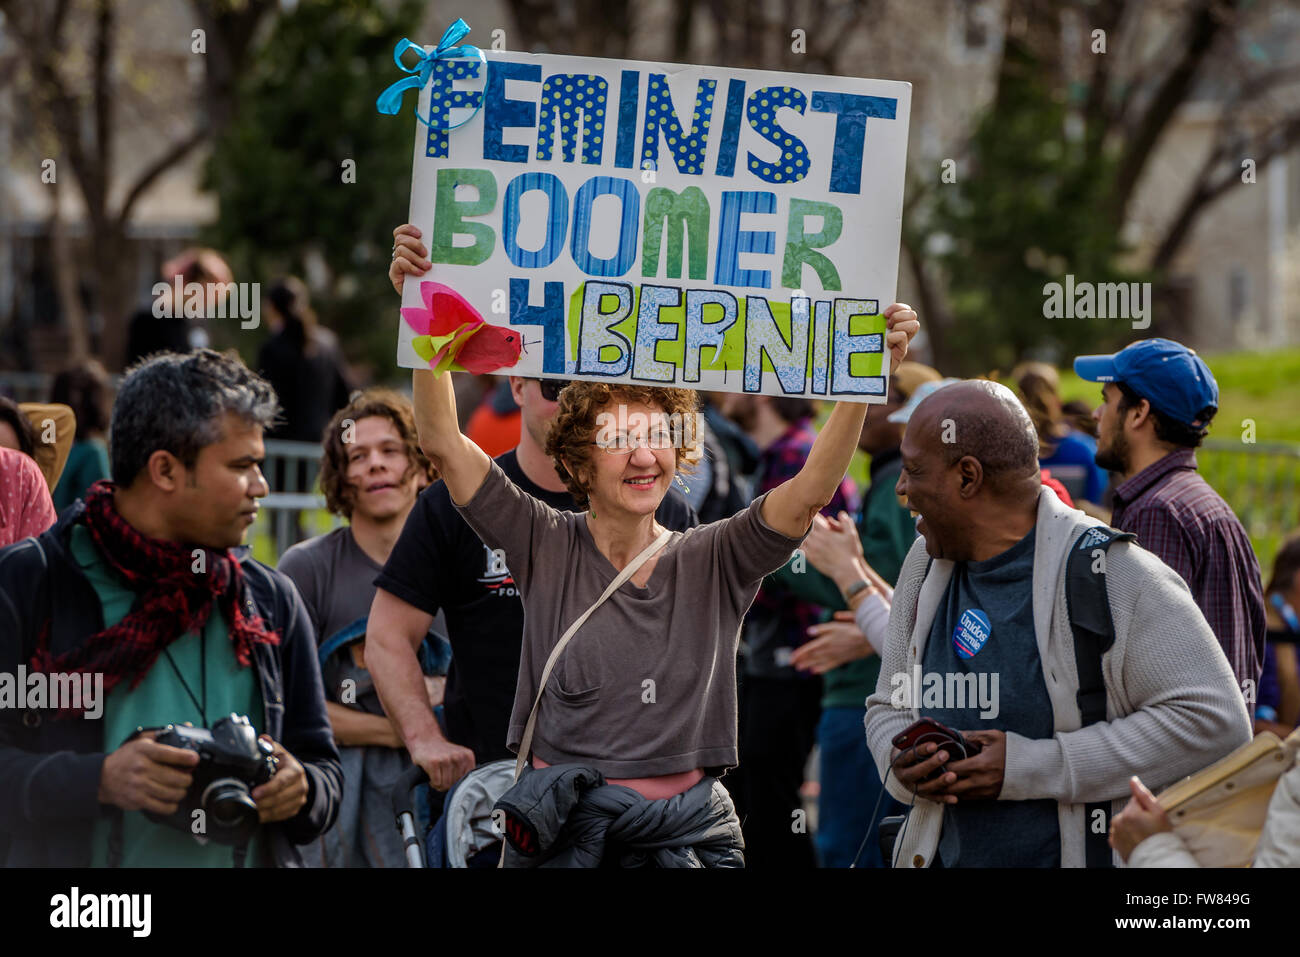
(980, 640)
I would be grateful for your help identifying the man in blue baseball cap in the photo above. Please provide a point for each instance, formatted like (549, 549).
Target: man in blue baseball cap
(1159, 400)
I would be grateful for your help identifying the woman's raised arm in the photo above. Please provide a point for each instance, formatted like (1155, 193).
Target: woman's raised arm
(789, 508)
(462, 464)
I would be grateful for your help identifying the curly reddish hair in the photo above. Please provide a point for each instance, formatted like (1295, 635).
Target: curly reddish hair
(384, 403)
(572, 435)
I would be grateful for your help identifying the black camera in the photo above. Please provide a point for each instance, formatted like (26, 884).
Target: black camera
(232, 761)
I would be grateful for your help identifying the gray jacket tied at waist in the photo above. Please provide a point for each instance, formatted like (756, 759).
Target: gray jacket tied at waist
(567, 816)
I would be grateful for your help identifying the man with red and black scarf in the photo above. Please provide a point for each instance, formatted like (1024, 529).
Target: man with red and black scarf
(145, 585)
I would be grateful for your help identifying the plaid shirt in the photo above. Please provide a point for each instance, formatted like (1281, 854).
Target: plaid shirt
(778, 622)
(1176, 515)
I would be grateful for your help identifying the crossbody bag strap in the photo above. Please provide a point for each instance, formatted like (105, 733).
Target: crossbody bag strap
(526, 744)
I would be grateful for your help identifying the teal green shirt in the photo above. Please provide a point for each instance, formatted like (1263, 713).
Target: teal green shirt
(87, 464)
(161, 698)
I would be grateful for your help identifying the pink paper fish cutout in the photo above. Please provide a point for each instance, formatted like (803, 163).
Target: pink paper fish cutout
(491, 347)
(445, 310)
(474, 346)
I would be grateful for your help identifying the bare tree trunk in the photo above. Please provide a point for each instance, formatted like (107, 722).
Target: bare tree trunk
(683, 13)
(1205, 25)
(67, 282)
(112, 292)
(933, 307)
(1098, 114)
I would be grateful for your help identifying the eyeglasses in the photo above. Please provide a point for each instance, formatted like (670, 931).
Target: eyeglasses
(551, 388)
(620, 443)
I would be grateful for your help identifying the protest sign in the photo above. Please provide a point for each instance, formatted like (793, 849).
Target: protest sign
(671, 225)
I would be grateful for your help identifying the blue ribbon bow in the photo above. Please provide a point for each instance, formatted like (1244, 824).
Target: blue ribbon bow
(390, 101)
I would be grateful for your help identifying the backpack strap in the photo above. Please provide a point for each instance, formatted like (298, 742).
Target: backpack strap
(27, 590)
(1088, 605)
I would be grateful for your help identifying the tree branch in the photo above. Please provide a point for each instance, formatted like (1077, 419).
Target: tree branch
(230, 28)
(1274, 141)
(173, 155)
(933, 305)
(1261, 83)
(1206, 23)
(1264, 147)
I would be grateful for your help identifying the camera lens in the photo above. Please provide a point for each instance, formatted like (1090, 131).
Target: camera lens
(229, 804)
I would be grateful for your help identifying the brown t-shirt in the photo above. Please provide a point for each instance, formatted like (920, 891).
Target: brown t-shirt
(648, 684)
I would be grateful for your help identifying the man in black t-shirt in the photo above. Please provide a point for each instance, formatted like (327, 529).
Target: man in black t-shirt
(439, 563)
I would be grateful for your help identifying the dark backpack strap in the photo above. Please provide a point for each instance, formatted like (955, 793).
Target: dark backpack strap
(32, 599)
(1088, 606)
(36, 600)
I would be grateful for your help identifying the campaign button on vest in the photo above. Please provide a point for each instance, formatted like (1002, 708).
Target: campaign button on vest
(972, 631)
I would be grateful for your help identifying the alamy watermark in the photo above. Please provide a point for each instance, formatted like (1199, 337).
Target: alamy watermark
(56, 691)
(208, 300)
(617, 431)
(1106, 300)
(949, 691)
(126, 911)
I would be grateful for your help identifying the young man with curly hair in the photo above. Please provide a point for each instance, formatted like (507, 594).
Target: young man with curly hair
(372, 469)
(1160, 399)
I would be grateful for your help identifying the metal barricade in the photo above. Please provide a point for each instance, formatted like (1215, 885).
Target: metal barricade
(294, 510)
(26, 386)
(1261, 482)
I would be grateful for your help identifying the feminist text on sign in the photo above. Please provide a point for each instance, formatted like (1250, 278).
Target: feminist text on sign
(659, 224)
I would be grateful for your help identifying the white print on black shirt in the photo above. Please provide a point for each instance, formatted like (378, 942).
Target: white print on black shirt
(102, 910)
(496, 576)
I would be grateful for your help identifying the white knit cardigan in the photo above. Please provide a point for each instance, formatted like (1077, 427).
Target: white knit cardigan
(1172, 703)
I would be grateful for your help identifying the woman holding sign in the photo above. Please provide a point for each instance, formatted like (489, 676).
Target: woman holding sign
(626, 699)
